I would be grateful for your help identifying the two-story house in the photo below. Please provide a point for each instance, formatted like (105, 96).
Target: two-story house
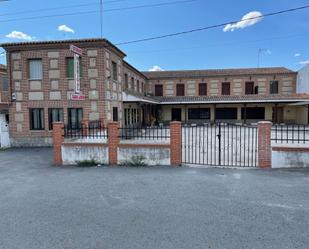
(41, 84)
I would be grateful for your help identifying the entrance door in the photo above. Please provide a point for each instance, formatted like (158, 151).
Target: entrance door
(4, 132)
(176, 114)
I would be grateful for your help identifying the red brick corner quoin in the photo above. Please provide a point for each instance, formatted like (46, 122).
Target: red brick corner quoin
(175, 140)
(264, 144)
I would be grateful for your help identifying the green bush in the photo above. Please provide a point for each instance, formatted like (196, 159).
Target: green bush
(135, 161)
(87, 163)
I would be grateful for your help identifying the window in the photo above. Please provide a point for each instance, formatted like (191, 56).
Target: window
(132, 83)
(226, 113)
(36, 117)
(274, 87)
(202, 89)
(115, 114)
(115, 71)
(158, 90)
(180, 90)
(253, 113)
(126, 81)
(75, 117)
(256, 90)
(5, 84)
(54, 115)
(226, 88)
(70, 67)
(35, 69)
(249, 88)
(138, 86)
(198, 113)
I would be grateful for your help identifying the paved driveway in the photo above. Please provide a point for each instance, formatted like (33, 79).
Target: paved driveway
(46, 207)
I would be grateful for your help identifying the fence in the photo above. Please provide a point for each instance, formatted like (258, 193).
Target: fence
(145, 133)
(94, 130)
(220, 144)
(290, 134)
(159, 145)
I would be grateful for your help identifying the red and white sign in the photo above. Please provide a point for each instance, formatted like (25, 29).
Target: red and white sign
(76, 50)
(77, 53)
(79, 96)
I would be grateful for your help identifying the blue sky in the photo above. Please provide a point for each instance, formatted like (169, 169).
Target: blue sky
(281, 37)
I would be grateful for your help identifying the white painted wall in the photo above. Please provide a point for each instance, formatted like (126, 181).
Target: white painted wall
(291, 159)
(73, 154)
(153, 156)
(4, 132)
(302, 84)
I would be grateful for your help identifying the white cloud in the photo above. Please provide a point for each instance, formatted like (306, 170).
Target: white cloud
(303, 62)
(19, 35)
(155, 69)
(65, 28)
(297, 54)
(247, 20)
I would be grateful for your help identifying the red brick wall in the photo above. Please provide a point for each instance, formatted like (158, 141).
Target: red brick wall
(264, 144)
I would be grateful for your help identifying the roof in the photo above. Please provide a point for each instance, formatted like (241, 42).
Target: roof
(129, 98)
(126, 64)
(2, 67)
(233, 99)
(69, 41)
(217, 72)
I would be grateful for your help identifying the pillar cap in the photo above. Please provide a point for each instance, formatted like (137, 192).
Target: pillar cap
(265, 122)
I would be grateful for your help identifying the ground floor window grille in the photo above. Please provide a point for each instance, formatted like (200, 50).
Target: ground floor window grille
(36, 119)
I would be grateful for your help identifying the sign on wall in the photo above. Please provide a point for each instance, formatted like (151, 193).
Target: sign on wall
(78, 95)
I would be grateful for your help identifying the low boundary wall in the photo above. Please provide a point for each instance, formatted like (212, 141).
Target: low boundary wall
(288, 157)
(115, 151)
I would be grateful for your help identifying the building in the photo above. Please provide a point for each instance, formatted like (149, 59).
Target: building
(4, 91)
(237, 95)
(41, 78)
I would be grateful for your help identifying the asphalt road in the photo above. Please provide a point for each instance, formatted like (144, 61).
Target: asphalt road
(47, 207)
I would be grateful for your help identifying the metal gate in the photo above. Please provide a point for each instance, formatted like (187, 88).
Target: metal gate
(220, 144)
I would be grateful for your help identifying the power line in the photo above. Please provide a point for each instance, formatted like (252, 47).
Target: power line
(218, 44)
(60, 8)
(212, 26)
(90, 12)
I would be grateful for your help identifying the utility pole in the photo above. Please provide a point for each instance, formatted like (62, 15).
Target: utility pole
(101, 17)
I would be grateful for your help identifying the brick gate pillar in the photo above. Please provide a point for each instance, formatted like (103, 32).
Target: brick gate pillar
(175, 140)
(113, 142)
(264, 144)
(58, 132)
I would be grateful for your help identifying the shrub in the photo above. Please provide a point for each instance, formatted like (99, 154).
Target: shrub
(87, 163)
(135, 161)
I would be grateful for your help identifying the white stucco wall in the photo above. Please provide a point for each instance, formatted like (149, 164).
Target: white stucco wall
(290, 159)
(153, 155)
(73, 154)
(302, 85)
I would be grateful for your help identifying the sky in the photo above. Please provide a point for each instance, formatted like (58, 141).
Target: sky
(282, 39)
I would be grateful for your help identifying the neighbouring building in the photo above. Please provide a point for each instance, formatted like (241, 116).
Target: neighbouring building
(4, 93)
(41, 83)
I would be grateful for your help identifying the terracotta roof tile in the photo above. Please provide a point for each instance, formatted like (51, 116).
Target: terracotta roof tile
(217, 72)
